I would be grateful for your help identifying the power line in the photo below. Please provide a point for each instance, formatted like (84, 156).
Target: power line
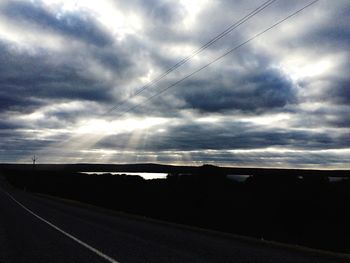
(195, 52)
(220, 57)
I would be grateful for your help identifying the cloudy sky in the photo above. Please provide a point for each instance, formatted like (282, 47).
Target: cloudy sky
(281, 100)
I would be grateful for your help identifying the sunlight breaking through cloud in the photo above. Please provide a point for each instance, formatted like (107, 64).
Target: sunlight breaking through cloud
(280, 100)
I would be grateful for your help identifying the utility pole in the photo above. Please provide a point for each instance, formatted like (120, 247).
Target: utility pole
(34, 160)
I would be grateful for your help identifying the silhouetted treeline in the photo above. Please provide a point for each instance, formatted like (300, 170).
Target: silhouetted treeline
(293, 206)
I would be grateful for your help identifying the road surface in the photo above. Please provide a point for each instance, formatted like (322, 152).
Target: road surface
(38, 229)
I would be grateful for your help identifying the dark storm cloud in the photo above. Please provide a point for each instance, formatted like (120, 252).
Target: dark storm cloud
(25, 78)
(15, 102)
(246, 84)
(225, 136)
(328, 116)
(81, 26)
(30, 79)
(255, 91)
(17, 145)
(333, 91)
(157, 11)
(40, 79)
(338, 89)
(329, 38)
(6, 127)
(166, 12)
(124, 59)
(331, 34)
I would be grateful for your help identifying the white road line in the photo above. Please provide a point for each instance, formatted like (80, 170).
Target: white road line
(96, 251)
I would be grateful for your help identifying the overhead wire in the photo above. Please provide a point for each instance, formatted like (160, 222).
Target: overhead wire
(218, 58)
(194, 53)
(186, 59)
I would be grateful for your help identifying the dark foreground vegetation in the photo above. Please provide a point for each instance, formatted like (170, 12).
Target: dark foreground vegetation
(309, 208)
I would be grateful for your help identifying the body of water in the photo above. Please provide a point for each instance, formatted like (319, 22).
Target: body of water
(147, 176)
(238, 177)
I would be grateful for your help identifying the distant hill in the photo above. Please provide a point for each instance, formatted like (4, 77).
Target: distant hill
(172, 169)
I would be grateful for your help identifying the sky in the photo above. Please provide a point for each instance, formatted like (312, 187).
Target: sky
(280, 100)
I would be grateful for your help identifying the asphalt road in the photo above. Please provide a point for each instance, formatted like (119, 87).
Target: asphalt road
(38, 229)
